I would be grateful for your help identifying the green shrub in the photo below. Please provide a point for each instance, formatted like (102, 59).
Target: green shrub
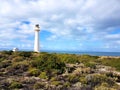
(43, 75)
(73, 78)
(20, 65)
(87, 58)
(48, 62)
(17, 68)
(5, 63)
(90, 64)
(39, 85)
(113, 62)
(56, 83)
(83, 80)
(69, 58)
(17, 59)
(1, 59)
(34, 72)
(104, 86)
(7, 52)
(17, 85)
(23, 54)
(67, 84)
(97, 79)
(53, 79)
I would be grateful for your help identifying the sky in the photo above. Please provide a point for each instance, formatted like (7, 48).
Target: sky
(65, 25)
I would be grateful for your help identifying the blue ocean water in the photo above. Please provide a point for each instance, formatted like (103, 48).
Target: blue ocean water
(101, 53)
(88, 53)
(77, 52)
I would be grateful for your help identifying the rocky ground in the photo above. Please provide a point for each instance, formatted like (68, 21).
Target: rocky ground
(17, 73)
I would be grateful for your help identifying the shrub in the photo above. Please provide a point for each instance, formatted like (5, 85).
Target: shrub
(18, 59)
(7, 52)
(56, 83)
(66, 84)
(113, 62)
(29, 81)
(23, 54)
(48, 62)
(17, 68)
(34, 72)
(73, 78)
(69, 58)
(90, 64)
(97, 79)
(53, 79)
(5, 63)
(83, 80)
(20, 65)
(17, 85)
(104, 86)
(1, 59)
(87, 58)
(43, 75)
(39, 85)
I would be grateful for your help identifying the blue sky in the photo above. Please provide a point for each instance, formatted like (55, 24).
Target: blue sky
(66, 25)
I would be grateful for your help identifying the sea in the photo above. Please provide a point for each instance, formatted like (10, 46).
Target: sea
(92, 53)
(87, 53)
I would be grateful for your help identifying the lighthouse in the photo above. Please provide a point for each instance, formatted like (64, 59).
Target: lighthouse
(36, 42)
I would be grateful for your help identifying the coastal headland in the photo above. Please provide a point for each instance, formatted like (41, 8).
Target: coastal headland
(54, 71)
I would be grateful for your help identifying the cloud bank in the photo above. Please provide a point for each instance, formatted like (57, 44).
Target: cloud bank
(83, 24)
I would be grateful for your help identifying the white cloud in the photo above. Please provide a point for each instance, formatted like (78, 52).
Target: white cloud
(81, 20)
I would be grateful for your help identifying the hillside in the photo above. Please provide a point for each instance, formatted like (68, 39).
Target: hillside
(51, 71)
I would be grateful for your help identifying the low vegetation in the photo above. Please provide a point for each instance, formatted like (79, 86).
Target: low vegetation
(45, 71)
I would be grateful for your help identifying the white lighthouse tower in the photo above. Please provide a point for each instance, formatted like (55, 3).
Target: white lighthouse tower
(36, 43)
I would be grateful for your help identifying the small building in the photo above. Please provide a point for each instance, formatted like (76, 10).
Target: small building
(15, 49)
